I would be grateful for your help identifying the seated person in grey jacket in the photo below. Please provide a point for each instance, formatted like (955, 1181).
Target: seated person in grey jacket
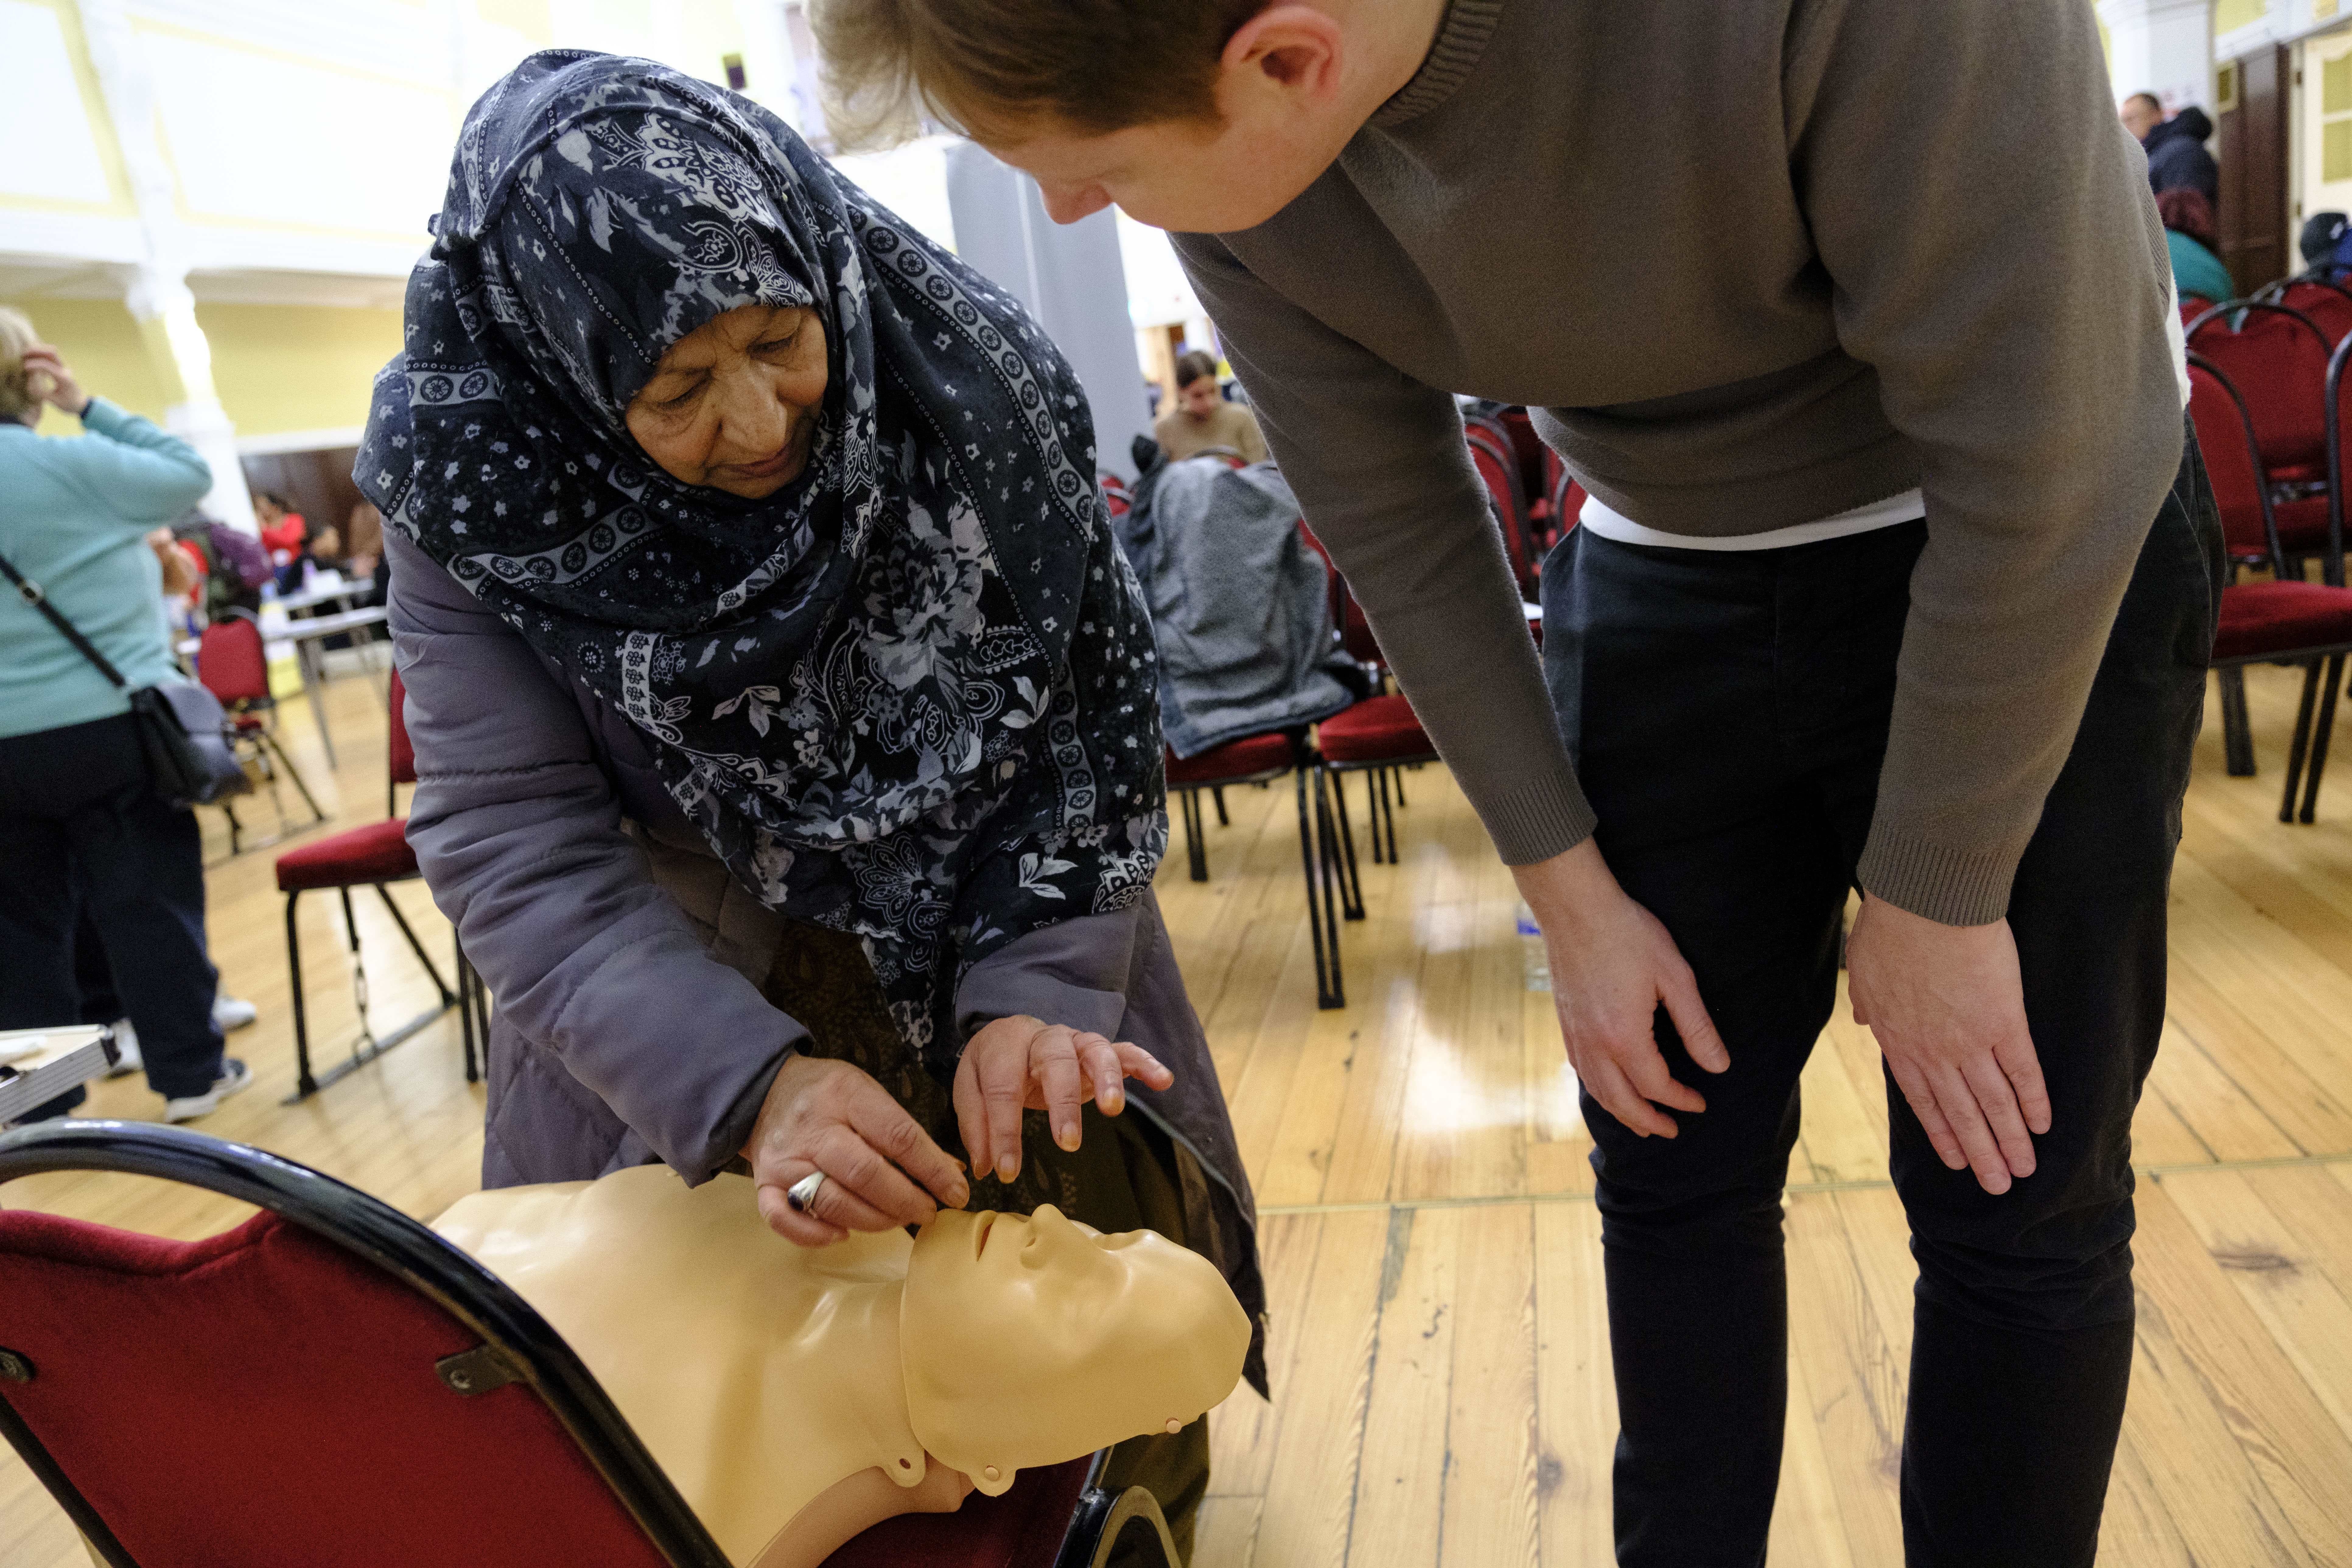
(787, 751)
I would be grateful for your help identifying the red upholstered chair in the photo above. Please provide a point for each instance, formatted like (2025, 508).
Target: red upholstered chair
(2277, 359)
(1499, 468)
(232, 665)
(2284, 621)
(2328, 307)
(331, 1385)
(373, 857)
(1258, 760)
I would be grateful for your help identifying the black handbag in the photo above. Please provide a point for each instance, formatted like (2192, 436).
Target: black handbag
(181, 726)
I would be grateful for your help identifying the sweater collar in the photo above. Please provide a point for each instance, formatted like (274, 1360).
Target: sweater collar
(1461, 38)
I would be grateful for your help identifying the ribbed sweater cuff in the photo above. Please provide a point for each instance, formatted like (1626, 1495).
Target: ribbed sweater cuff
(1935, 881)
(1544, 819)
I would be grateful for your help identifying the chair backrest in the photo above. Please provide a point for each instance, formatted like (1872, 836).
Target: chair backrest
(2233, 465)
(231, 663)
(1534, 458)
(2327, 307)
(1567, 501)
(2276, 359)
(1355, 631)
(1499, 468)
(329, 1383)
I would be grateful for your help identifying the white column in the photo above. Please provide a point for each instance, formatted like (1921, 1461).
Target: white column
(157, 295)
(2163, 46)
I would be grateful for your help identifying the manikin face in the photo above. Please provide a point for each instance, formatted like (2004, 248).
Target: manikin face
(1199, 397)
(733, 403)
(1033, 1340)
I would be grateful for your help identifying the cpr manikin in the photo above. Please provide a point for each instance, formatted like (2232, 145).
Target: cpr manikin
(796, 1396)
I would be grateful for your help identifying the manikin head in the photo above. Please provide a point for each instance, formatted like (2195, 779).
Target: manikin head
(1195, 115)
(2141, 113)
(1031, 1341)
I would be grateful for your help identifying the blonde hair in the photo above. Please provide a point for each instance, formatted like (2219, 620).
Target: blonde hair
(990, 66)
(16, 335)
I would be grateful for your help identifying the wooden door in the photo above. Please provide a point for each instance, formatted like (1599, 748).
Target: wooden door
(2251, 148)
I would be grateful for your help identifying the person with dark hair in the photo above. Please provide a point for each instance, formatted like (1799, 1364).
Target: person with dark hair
(1898, 573)
(2189, 234)
(2177, 158)
(1202, 419)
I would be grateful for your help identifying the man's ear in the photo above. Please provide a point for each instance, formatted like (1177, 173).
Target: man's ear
(1298, 49)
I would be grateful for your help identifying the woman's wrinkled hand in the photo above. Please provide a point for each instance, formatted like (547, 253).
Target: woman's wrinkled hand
(1022, 1063)
(829, 1116)
(47, 378)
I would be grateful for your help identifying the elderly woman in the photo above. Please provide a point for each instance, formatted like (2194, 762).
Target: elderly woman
(783, 710)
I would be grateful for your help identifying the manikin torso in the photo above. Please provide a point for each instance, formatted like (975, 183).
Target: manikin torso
(772, 1382)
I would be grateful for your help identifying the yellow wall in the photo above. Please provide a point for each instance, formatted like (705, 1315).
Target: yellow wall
(2229, 14)
(296, 367)
(276, 367)
(102, 347)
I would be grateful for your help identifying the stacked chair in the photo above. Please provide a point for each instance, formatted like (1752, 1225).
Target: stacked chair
(332, 1385)
(2277, 358)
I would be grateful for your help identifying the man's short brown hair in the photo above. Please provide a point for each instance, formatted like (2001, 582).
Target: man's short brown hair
(996, 66)
(1193, 365)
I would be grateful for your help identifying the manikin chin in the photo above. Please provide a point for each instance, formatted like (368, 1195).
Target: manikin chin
(797, 1397)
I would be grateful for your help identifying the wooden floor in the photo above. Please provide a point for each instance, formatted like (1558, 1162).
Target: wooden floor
(1439, 1357)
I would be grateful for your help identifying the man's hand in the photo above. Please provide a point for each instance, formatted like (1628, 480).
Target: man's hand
(1948, 1011)
(1612, 964)
(1023, 1063)
(829, 1116)
(47, 379)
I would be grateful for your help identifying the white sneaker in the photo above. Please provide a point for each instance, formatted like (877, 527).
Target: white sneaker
(233, 1013)
(126, 1044)
(234, 1076)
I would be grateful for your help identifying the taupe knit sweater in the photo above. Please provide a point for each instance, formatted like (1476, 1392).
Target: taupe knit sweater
(1755, 262)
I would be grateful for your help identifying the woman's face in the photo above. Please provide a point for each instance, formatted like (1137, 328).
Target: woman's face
(733, 403)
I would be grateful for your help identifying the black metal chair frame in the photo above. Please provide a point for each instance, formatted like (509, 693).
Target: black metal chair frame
(472, 998)
(266, 747)
(521, 1345)
(2311, 742)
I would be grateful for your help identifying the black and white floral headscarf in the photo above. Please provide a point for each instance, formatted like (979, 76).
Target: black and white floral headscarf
(911, 696)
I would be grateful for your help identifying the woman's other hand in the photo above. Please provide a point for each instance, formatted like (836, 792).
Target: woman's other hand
(180, 574)
(829, 1116)
(1023, 1063)
(48, 379)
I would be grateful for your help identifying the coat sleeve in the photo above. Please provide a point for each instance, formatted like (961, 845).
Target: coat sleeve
(520, 835)
(140, 476)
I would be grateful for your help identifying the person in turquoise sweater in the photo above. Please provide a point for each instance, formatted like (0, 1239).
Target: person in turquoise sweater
(80, 831)
(2189, 232)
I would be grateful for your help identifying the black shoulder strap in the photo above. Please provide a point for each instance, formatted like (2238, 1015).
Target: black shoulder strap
(30, 591)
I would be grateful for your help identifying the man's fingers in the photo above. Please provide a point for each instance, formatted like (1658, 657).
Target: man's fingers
(1138, 1063)
(1053, 1070)
(1680, 993)
(1931, 1119)
(801, 1229)
(884, 1122)
(1998, 1101)
(2023, 1067)
(1958, 1100)
(1105, 1069)
(1607, 1084)
(1646, 1071)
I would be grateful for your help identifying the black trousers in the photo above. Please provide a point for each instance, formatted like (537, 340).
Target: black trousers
(1729, 713)
(79, 833)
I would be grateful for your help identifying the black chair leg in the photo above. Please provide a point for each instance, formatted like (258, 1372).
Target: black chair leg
(236, 830)
(466, 983)
(2237, 733)
(1387, 808)
(1343, 863)
(2320, 734)
(1223, 820)
(1196, 855)
(1329, 991)
(2302, 739)
(448, 997)
(317, 815)
(304, 1083)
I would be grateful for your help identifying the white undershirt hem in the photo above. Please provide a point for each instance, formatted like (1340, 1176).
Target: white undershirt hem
(1607, 521)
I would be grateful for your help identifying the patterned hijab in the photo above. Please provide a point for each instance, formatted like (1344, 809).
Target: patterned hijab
(910, 695)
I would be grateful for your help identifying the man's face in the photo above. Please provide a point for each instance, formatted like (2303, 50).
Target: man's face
(1188, 175)
(1199, 397)
(2140, 117)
